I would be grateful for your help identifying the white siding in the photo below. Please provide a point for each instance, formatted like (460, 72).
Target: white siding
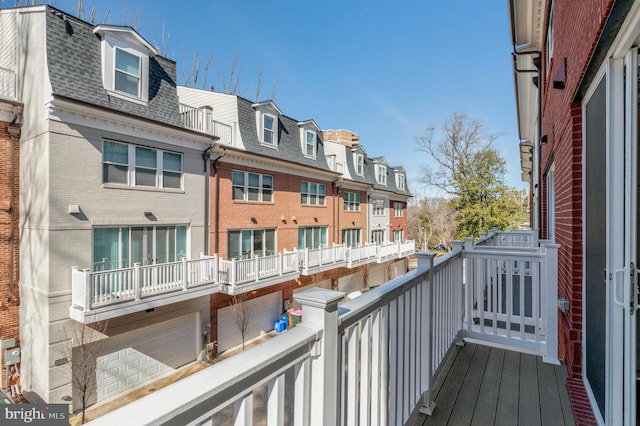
(264, 311)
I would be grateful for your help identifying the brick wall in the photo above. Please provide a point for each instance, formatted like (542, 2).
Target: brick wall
(285, 214)
(397, 223)
(562, 123)
(9, 309)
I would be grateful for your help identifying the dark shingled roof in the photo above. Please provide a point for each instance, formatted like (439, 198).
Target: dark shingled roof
(75, 70)
(289, 144)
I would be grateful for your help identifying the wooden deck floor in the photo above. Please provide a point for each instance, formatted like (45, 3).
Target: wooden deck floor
(489, 386)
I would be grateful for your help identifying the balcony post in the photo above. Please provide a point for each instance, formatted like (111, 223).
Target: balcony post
(320, 312)
(137, 281)
(550, 272)
(88, 289)
(425, 266)
(185, 277)
(234, 266)
(256, 266)
(216, 268)
(280, 264)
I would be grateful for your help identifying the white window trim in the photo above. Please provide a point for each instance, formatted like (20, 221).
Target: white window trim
(353, 200)
(400, 180)
(398, 207)
(378, 207)
(273, 144)
(246, 187)
(109, 45)
(550, 40)
(381, 174)
(131, 168)
(306, 144)
(315, 194)
(357, 156)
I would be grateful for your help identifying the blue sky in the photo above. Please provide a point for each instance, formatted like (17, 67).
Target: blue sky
(383, 70)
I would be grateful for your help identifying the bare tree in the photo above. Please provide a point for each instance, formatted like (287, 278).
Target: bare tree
(84, 351)
(241, 312)
(231, 84)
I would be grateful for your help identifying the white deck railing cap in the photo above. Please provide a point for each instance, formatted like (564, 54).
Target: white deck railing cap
(319, 297)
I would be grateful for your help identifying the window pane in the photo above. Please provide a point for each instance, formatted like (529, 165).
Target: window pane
(268, 122)
(181, 241)
(114, 174)
(114, 152)
(246, 244)
(254, 180)
(237, 178)
(127, 62)
(254, 194)
(270, 242)
(303, 186)
(267, 182)
(171, 161)
(234, 244)
(238, 193)
(127, 83)
(146, 157)
(257, 243)
(266, 196)
(301, 235)
(145, 177)
(323, 237)
(106, 249)
(171, 180)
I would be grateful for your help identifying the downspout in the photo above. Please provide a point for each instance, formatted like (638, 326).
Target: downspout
(216, 213)
(14, 130)
(206, 156)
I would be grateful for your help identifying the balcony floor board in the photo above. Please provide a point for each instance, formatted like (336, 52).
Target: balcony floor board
(491, 386)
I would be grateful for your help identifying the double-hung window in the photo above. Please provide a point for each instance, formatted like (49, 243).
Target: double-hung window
(378, 207)
(351, 201)
(310, 143)
(400, 181)
(398, 235)
(398, 209)
(140, 166)
(127, 73)
(381, 174)
(312, 193)
(359, 164)
(249, 186)
(269, 129)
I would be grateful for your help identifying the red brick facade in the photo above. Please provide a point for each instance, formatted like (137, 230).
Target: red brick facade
(285, 213)
(9, 238)
(562, 124)
(397, 223)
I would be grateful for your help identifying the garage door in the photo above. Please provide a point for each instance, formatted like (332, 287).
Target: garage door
(131, 359)
(264, 311)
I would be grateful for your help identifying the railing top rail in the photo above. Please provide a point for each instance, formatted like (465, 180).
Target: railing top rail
(520, 253)
(217, 385)
(354, 310)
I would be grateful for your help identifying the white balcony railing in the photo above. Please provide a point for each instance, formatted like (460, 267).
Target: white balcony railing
(374, 359)
(8, 84)
(200, 119)
(94, 292)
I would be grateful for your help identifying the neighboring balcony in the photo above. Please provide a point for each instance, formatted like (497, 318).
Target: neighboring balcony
(8, 84)
(200, 119)
(99, 295)
(377, 359)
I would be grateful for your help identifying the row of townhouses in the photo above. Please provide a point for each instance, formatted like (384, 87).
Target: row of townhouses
(130, 201)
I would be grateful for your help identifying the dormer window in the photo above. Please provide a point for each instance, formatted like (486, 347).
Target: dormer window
(310, 146)
(381, 174)
(125, 63)
(309, 138)
(267, 114)
(269, 135)
(359, 164)
(400, 181)
(127, 78)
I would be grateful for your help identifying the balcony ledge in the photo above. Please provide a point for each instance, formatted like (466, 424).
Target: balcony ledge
(131, 306)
